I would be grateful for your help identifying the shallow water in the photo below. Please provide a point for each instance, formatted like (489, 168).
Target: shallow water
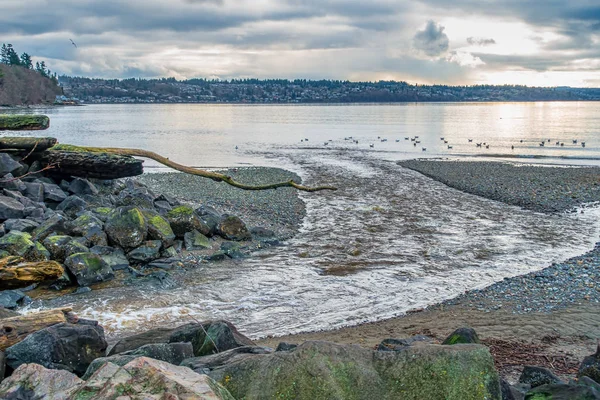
(388, 241)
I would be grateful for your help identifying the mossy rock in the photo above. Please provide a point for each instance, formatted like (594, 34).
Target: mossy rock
(17, 243)
(90, 228)
(102, 213)
(159, 228)
(88, 268)
(148, 251)
(233, 228)
(462, 336)
(127, 227)
(322, 370)
(56, 245)
(562, 392)
(184, 219)
(194, 240)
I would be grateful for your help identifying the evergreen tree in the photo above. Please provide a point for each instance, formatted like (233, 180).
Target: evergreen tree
(13, 57)
(4, 54)
(26, 61)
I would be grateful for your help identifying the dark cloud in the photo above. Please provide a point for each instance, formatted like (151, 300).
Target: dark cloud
(480, 41)
(432, 40)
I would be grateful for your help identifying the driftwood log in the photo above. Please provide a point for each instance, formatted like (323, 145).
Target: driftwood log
(10, 122)
(14, 273)
(90, 165)
(15, 329)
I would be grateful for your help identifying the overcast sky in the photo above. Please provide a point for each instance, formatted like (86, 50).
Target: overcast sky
(533, 42)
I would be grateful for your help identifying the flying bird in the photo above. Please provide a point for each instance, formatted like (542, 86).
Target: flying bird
(73, 43)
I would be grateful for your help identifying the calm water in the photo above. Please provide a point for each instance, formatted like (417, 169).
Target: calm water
(388, 241)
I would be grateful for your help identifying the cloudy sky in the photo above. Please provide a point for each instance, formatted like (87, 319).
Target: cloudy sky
(532, 42)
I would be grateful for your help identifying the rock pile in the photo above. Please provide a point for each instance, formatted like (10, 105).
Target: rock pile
(75, 231)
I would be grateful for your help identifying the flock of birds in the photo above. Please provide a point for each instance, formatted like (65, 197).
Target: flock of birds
(415, 141)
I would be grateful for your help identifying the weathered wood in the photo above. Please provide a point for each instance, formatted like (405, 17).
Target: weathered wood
(9, 122)
(15, 329)
(91, 165)
(27, 143)
(15, 273)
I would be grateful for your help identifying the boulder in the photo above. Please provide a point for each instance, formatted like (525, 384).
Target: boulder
(10, 208)
(7, 164)
(194, 240)
(206, 337)
(113, 257)
(67, 346)
(72, 206)
(148, 251)
(322, 370)
(162, 207)
(127, 227)
(17, 244)
(90, 228)
(216, 256)
(232, 250)
(33, 381)
(264, 235)
(462, 335)
(136, 197)
(284, 346)
(21, 225)
(34, 191)
(562, 392)
(102, 213)
(9, 182)
(145, 378)
(159, 229)
(53, 192)
(56, 245)
(80, 186)
(402, 344)
(88, 268)
(173, 353)
(35, 214)
(12, 299)
(205, 364)
(538, 376)
(183, 219)
(210, 217)
(590, 366)
(54, 224)
(231, 227)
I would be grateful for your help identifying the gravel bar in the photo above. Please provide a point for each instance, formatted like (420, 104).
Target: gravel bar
(537, 188)
(278, 209)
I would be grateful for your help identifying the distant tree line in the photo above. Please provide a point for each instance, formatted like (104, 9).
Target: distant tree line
(9, 56)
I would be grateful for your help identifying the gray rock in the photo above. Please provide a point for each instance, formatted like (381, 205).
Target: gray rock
(590, 366)
(210, 217)
(283, 346)
(9, 182)
(194, 240)
(205, 364)
(148, 251)
(12, 299)
(217, 256)
(127, 227)
(34, 191)
(115, 258)
(162, 207)
(57, 245)
(82, 290)
(72, 206)
(90, 228)
(22, 225)
(34, 382)
(88, 268)
(54, 224)
(207, 337)
(233, 228)
(402, 344)
(232, 250)
(66, 346)
(173, 353)
(7, 164)
(10, 208)
(82, 186)
(538, 376)
(53, 192)
(562, 392)
(17, 243)
(34, 213)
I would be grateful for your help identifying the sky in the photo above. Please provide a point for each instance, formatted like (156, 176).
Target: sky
(459, 42)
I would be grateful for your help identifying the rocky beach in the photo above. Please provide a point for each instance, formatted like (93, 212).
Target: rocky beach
(65, 236)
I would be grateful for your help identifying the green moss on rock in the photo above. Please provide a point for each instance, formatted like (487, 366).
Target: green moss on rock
(23, 122)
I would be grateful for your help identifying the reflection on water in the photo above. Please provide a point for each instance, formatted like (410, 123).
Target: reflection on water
(388, 241)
